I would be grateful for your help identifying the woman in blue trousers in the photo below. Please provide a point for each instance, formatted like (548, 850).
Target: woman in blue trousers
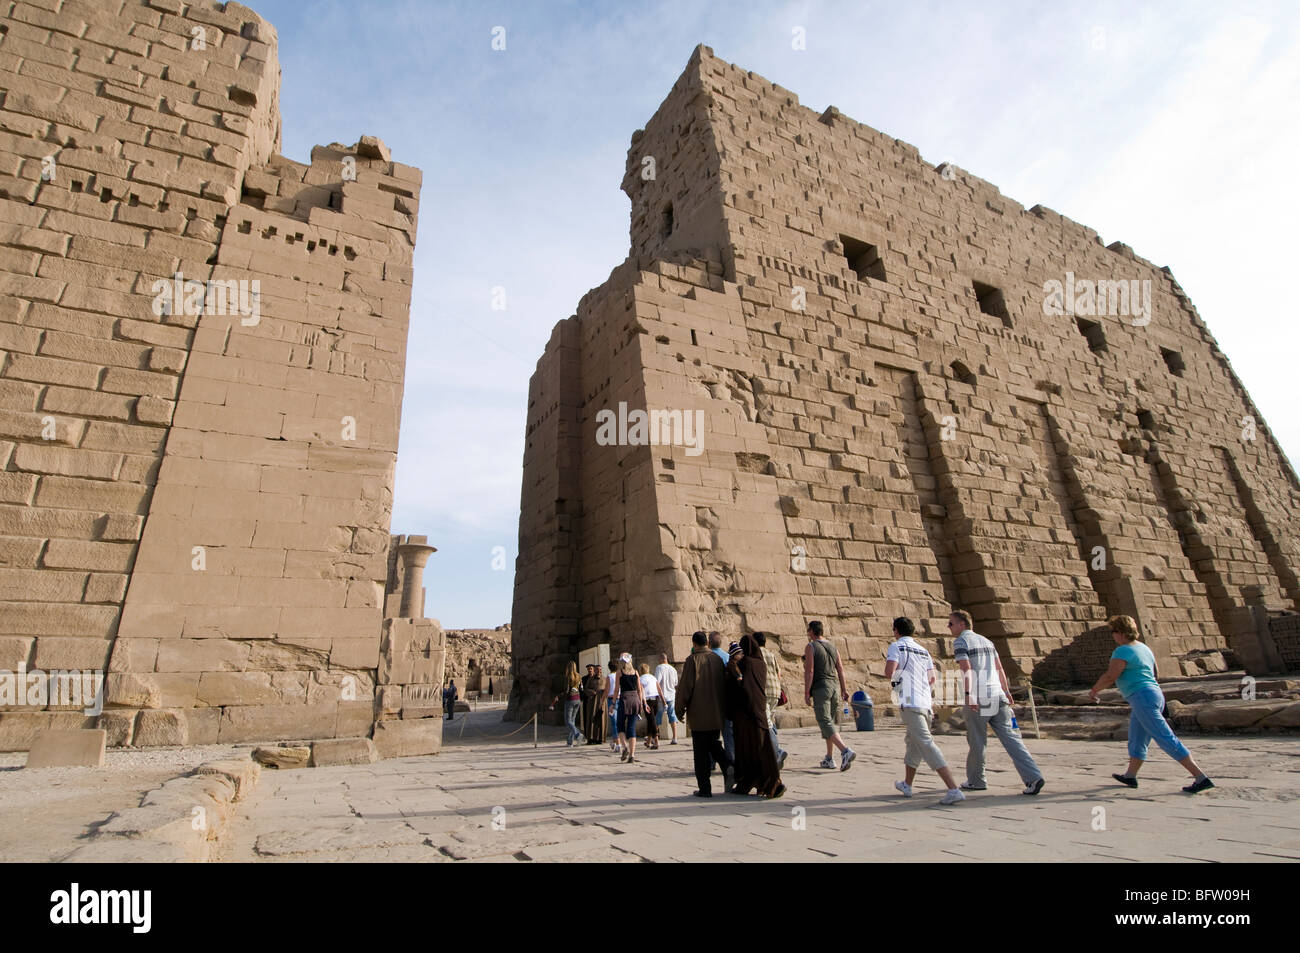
(1133, 672)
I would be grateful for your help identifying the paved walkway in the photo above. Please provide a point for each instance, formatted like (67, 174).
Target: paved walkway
(489, 797)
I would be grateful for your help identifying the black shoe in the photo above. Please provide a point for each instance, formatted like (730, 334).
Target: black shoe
(777, 792)
(1125, 780)
(703, 793)
(1034, 788)
(1196, 787)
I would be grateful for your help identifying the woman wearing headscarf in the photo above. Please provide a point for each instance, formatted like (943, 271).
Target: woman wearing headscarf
(756, 768)
(593, 704)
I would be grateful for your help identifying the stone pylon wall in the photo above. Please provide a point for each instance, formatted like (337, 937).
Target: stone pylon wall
(194, 498)
(894, 424)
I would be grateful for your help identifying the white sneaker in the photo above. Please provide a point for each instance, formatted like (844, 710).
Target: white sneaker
(826, 762)
(953, 796)
(846, 759)
(903, 788)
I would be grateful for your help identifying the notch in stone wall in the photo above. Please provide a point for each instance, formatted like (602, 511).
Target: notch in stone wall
(1094, 334)
(992, 302)
(864, 259)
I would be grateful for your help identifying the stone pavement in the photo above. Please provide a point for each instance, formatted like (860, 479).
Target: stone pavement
(489, 797)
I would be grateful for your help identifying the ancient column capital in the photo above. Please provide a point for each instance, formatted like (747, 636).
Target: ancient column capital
(414, 556)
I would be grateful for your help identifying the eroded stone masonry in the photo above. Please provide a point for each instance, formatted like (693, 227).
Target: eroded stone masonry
(202, 347)
(901, 413)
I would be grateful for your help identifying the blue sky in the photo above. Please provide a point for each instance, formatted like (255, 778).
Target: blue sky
(1170, 127)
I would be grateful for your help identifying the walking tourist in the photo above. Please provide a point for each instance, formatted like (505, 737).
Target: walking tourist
(631, 704)
(728, 740)
(449, 699)
(593, 705)
(666, 676)
(611, 703)
(1133, 671)
(755, 768)
(988, 703)
(650, 689)
(774, 693)
(571, 695)
(699, 701)
(823, 687)
(910, 671)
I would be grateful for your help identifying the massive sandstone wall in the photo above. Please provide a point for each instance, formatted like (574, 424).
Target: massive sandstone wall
(210, 521)
(915, 433)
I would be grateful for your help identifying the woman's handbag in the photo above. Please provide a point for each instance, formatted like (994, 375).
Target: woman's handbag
(783, 700)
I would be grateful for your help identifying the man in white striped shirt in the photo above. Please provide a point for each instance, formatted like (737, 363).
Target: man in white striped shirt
(988, 703)
(910, 671)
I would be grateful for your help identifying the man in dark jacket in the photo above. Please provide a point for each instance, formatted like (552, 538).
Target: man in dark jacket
(449, 699)
(700, 703)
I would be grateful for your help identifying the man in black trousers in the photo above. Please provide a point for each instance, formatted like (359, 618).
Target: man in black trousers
(699, 702)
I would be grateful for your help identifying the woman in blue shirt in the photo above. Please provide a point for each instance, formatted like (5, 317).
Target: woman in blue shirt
(1133, 671)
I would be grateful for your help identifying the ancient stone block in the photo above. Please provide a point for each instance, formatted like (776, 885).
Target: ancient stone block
(334, 751)
(161, 727)
(1237, 713)
(404, 739)
(286, 756)
(61, 748)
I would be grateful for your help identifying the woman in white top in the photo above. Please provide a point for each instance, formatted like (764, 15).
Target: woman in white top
(650, 688)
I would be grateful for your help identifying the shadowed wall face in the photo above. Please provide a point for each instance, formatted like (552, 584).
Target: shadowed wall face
(915, 393)
(204, 347)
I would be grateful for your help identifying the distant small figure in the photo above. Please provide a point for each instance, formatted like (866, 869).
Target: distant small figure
(593, 705)
(631, 704)
(571, 694)
(611, 704)
(666, 676)
(449, 699)
(650, 690)
(1133, 671)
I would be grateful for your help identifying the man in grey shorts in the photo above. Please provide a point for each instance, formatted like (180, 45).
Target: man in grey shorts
(823, 674)
(910, 671)
(988, 703)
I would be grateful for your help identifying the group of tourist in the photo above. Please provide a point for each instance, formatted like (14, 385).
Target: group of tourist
(730, 696)
(600, 704)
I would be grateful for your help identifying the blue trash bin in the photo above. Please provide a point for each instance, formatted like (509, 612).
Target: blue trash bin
(864, 711)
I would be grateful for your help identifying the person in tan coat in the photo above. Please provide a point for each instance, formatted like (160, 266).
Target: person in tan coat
(699, 701)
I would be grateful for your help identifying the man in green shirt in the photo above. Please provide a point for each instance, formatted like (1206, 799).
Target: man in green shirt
(823, 673)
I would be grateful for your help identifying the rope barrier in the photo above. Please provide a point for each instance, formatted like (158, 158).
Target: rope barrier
(532, 721)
